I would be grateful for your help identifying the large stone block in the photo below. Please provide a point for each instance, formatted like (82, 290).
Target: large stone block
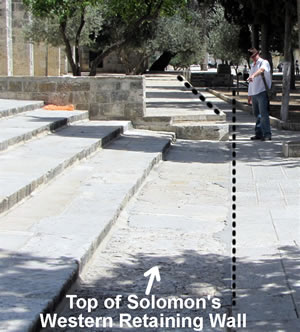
(108, 84)
(15, 86)
(291, 149)
(81, 85)
(120, 95)
(133, 111)
(103, 97)
(94, 111)
(30, 86)
(3, 85)
(79, 97)
(64, 87)
(39, 96)
(136, 85)
(82, 107)
(47, 86)
(115, 110)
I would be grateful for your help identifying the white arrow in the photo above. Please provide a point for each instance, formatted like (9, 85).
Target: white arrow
(153, 273)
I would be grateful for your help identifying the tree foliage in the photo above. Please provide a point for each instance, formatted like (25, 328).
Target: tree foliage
(93, 23)
(224, 39)
(183, 36)
(47, 30)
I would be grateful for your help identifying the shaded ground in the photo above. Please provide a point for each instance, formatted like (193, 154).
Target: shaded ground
(294, 104)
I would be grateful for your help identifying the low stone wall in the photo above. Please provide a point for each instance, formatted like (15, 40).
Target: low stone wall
(211, 79)
(208, 79)
(291, 149)
(117, 97)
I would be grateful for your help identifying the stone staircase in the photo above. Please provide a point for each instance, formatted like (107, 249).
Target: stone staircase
(64, 181)
(172, 104)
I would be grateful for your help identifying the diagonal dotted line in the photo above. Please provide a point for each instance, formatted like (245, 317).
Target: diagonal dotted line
(201, 97)
(233, 177)
(233, 201)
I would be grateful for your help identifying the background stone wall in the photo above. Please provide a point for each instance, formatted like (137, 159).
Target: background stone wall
(18, 56)
(209, 79)
(116, 97)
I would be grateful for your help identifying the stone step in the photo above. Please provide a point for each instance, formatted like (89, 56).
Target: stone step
(48, 239)
(9, 107)
(25, 126)
(190, 129)
(216, 115)
(201, 131)
(291, 149)
(27, 167)
(174, 105)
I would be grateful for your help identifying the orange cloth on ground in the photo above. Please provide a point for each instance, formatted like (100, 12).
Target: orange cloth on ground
(52, 107)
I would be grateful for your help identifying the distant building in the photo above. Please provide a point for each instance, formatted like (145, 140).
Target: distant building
(18, 57)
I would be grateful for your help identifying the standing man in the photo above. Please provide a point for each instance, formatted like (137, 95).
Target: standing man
(258, 95)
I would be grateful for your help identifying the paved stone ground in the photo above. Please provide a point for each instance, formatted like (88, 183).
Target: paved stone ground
(268, 228)
(181, 221)
(177, 222)
(268, 232)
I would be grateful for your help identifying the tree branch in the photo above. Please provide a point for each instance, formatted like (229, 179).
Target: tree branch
(62, 28)
(77, 39)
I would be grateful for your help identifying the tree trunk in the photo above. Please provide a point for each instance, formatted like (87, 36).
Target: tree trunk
(68, 49)
(265, 33)
(286, 65)
(237, 84)
(77, 47)
(298, 12)
(293, 78)
(100, 55)
(94, 65)
(162, 62)
(204, 62)
(255, 36)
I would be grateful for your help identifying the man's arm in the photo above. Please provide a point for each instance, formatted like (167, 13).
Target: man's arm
(257, 73)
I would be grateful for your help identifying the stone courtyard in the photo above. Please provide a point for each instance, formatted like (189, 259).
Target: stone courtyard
(89, 207)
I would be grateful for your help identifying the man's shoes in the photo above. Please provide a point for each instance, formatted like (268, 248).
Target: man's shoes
(267, 138)
(258, 138)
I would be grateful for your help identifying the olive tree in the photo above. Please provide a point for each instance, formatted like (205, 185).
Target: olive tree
(102, 25)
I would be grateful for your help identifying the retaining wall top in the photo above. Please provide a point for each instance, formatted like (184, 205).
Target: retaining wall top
(107, 97)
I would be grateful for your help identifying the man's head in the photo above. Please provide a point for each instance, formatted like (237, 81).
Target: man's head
(253, 53)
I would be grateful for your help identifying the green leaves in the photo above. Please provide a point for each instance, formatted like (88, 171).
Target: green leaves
(61, 9)
(98, 24)
(223, 39)
(132, 10)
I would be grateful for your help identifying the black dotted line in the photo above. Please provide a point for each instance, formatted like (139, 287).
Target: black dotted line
(196, 92)
(233, 200)
(233, 197)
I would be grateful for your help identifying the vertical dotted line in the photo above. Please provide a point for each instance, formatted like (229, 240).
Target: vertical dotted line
(233, 201)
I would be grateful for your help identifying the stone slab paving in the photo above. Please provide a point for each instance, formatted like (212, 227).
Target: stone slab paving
(25, 126)
(45, 240)
(193, 186)
(268, 230)
(25, 168)
(174, 222)
(9, 107)
(166, 96)
(171, 105)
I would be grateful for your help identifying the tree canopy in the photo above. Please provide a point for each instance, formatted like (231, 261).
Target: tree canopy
(72, 18)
